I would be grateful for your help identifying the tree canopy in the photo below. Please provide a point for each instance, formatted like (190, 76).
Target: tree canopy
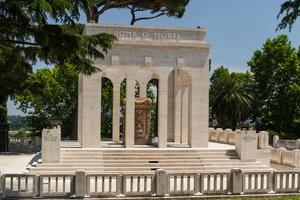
(276, 74)
(289, 11)
(154, 8)
(229, 98)
(27, 36)
(51, 95)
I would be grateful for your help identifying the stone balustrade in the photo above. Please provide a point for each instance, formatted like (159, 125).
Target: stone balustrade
(288, 144)
(158, 183)
(286, 157)
(229, 136)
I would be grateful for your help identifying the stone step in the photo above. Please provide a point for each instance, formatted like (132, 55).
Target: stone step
(122, 165)
(150, 157)
(144, 151)
(139, 169)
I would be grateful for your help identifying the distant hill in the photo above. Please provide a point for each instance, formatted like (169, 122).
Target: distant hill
(17, 122)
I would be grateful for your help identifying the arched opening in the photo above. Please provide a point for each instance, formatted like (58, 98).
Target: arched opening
(106, 109)
(137, 89)
(152, 93)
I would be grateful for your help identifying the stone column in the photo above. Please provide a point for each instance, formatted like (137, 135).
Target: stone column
(185, 115)
(199, 108)
(163, 111)
(89, 110)
(130, 97)
(116, 112)
(177, 112)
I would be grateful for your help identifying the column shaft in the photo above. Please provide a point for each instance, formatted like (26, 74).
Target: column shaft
(90, 111)
(130, 110)
(199, 109)
(185, 115)
(163, 112)
(116, 112)
(177, 113)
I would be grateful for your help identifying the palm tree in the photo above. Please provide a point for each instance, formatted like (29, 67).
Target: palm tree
(230, 102)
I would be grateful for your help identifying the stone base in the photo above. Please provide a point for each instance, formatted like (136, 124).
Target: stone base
(142, 141)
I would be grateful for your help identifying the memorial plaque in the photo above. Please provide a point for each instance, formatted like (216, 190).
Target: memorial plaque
(142, 121)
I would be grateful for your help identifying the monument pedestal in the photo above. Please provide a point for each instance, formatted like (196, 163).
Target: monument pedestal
(142, 132)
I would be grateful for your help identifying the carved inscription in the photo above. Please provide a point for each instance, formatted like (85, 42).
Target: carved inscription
(50, 138)
(148, 35)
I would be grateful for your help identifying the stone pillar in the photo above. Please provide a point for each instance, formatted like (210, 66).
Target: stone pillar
(177, 110)
(275, 141)
(116, 112)
(298, 143)
(80, 184)
(185, 115)
(89, 110)
(161, 182)
(130, 110)
(163, 111)
(51, 145)
(296, 153)
(199, 108)
(263, 140)
(236, 181)
(246, 146)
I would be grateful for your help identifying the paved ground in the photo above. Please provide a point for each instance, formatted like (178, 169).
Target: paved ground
(212, 145)
(14, 163)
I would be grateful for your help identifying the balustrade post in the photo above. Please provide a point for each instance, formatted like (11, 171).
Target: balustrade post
(36, 185)
(298, 143)
(119, 185)
(197, 184)
(80, 184)
(1, 191)
(275, 141)
(236, 181)
(296, 163)
(161, 182)
(271, 182)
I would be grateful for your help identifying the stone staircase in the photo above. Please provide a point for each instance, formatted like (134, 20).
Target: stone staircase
(145, 160)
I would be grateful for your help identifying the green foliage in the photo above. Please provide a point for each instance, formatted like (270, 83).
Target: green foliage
(290, 10)
(276, 74)
(230, 100)
(51, 94)
(26, 36)
(22, 134)
(106, 108)
(156, 8)
(151, 88)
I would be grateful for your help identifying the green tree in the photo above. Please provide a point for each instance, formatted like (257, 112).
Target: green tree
(155, 8)
(229, 98)
(51, 95)
(289, 11)
(276, 73)
(27, 36)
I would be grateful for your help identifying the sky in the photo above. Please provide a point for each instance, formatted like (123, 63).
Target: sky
(235, 29)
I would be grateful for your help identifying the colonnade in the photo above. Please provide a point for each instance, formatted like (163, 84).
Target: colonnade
(182, 101)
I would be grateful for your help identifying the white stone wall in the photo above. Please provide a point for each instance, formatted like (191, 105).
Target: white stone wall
(141, 54)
